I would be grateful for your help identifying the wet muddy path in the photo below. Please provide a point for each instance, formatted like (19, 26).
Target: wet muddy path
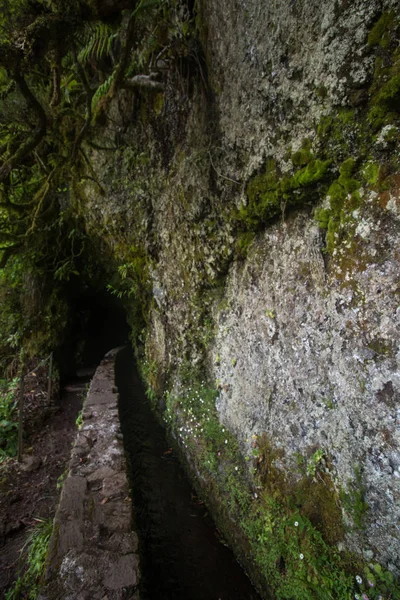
(29, 491)
(182, 556)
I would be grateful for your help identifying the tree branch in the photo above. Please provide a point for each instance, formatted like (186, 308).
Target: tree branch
(38, 134)
(56, 97)
(121, 67)
(7, 237)
(89, 96)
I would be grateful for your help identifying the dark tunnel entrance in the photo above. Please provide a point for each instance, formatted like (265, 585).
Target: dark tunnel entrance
(97, 324)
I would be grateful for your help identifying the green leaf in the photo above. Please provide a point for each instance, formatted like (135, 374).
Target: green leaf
(98, 44)
(102, 90)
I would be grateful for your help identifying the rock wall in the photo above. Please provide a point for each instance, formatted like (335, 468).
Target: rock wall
(93, 550)
(255, 221)
(316, 369)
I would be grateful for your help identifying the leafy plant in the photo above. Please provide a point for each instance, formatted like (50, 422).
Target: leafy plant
(377, 583)
(55, 70)
(8, 418)
(79, 420)
(99, 43)
(34, 552)
(314, 462)
(61, 479)
(121, 292)
(102, 90)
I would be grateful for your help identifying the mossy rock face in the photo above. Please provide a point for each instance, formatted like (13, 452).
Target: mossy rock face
(381, 32)
(175, 228)
(370, 172)
(385, 88)
(158, 104)
(352, 133)
(286, 518)
(302, 157)
(385, 104)
(264, 182)
(313, 173)
(243, 242)
(269, 194)
(318, 502)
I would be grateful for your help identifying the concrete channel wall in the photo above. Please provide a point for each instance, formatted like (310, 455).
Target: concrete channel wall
(93, 550)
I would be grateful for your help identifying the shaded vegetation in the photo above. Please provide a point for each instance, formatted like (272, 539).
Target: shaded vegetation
(60, 67)
(8, 423)
(35, 550)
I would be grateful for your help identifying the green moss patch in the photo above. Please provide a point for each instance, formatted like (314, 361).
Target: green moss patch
(380, 34)
(270, 193)
(385, 89)
(243, 243)
(277, 519)
(343, 199)
(302, 157)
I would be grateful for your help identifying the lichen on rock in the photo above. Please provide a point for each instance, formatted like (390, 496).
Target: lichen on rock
(268, 236)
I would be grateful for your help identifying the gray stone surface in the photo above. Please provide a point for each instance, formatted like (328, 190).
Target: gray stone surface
(296, 361)
(308, 344)
(93, 550)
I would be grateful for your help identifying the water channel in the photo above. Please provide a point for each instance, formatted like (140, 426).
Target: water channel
(182, 554)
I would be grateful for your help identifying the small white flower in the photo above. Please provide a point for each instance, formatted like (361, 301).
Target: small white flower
(236, 468)
(296, 523)
(358, 579)
(226, 441)
(301, 556)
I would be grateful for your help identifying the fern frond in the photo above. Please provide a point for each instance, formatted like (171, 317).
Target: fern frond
(102, 90)
(99, 40)
(67, 62)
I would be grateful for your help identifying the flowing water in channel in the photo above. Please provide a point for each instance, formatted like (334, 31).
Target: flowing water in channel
(182, 556)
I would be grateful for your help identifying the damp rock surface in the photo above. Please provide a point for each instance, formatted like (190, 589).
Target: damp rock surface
(293, 315)
(93, 550)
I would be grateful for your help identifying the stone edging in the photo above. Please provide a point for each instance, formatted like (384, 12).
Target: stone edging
(93, 550)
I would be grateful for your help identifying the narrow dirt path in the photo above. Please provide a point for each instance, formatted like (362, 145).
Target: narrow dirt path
(28, 491)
